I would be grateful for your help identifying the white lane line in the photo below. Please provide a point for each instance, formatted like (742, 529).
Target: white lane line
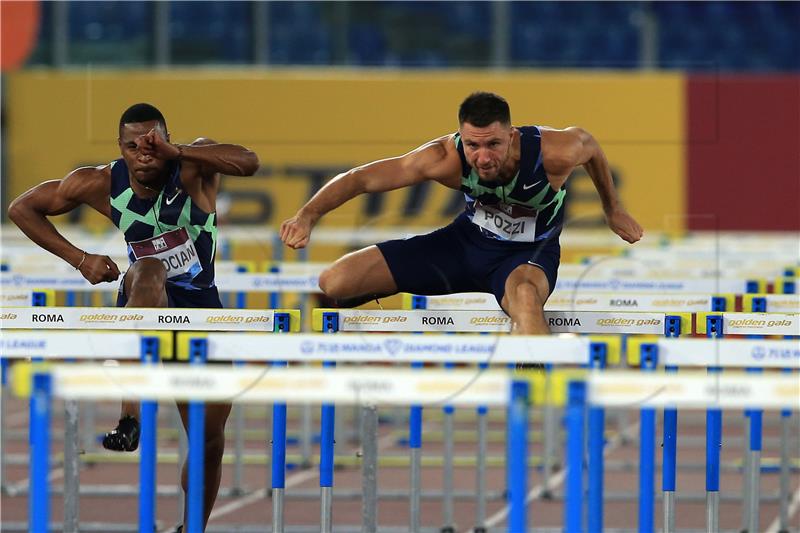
(260, 494)
(775, 526)
(291, 481)
(24, 484)
(556, 480)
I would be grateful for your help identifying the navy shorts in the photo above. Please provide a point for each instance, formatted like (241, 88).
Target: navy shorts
(181, 298)
(458, 258)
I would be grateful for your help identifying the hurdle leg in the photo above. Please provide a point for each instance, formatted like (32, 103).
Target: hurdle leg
(595, 479)
(549, 432)
(415, 450)
(3, 400)
(646, 467)
(147, 467)
(668, 467)
(747, 458)
(480, 483)
(328, 415)
(447, 474)
(71, 466)
(754, 473)
(197, 422)
(784, 475)
(369, 469)
(713, 445)
(278, 465)
(39, 494)
(573, 502)
(669, 462)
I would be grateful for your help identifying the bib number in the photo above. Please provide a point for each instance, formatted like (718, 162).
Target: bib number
(176, 252)
(504, 225)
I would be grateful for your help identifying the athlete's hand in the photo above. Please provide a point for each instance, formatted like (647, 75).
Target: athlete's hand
(296, 231)
(624, 225)
(155, 145)
(97, 268)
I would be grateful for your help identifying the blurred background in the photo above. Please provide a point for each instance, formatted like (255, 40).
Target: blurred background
(697, 104)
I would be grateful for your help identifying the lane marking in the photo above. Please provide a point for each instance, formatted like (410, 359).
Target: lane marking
(555, 480)
(291, 481)
(775, 526)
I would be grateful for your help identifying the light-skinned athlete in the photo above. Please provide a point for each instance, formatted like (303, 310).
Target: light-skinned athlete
(507, 239)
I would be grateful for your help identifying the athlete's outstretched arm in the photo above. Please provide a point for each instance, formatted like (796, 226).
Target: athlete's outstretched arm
(211, 157)
(563, 150)
(436, 160)
(30, 211)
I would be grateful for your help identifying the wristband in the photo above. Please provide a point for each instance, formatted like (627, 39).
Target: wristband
(81, 263)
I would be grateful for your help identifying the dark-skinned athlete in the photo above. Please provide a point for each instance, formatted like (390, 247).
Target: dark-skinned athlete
(162, 196)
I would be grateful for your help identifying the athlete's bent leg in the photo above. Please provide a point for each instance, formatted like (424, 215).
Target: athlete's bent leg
(214, 447)
(358, 277)
(526, 291)
(145, 286)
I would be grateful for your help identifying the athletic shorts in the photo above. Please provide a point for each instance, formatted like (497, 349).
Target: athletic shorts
(458, 258)
(181, 298)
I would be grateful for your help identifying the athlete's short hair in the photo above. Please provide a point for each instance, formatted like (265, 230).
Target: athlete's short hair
(141, 113)
(482, 108)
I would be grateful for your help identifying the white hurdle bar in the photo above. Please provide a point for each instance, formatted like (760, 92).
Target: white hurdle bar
(595, 301)
(132, 318)
(401, 387)
(278, 385)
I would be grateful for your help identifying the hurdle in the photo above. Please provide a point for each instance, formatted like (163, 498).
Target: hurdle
(663, 390)
(495, 321)
(17, 341)
(757, 325)
(656, 390)
(788, 302)
(674, 353)
(231, 345)
(317, 385)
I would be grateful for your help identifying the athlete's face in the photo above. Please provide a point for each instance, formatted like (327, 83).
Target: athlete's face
(145, 169)
(487, 149)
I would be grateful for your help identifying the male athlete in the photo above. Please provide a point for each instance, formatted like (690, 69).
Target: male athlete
(162, 196)
(506, 240)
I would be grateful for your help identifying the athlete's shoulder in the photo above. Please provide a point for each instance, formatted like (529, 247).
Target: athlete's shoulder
(91, 174)
(86, 183)
(202, 141)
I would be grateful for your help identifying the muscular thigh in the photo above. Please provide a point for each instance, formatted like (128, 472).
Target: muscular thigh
(361, 272)
(526, 274)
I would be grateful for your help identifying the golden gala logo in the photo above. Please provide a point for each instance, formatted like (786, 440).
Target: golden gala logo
(370, 319)
(8, 316)
(489, 321)
(628, 322)
(109, 317)
(754, 323)
(225, 319)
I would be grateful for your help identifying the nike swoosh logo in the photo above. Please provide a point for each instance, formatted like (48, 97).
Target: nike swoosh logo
(170, 200)
(526, 187)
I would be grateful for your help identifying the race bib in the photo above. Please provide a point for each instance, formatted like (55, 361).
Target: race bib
(176, 252)
(513, 223)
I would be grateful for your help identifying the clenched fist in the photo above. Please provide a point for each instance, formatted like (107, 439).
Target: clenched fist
(296, 231)
(97, 268)
(624, 225)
